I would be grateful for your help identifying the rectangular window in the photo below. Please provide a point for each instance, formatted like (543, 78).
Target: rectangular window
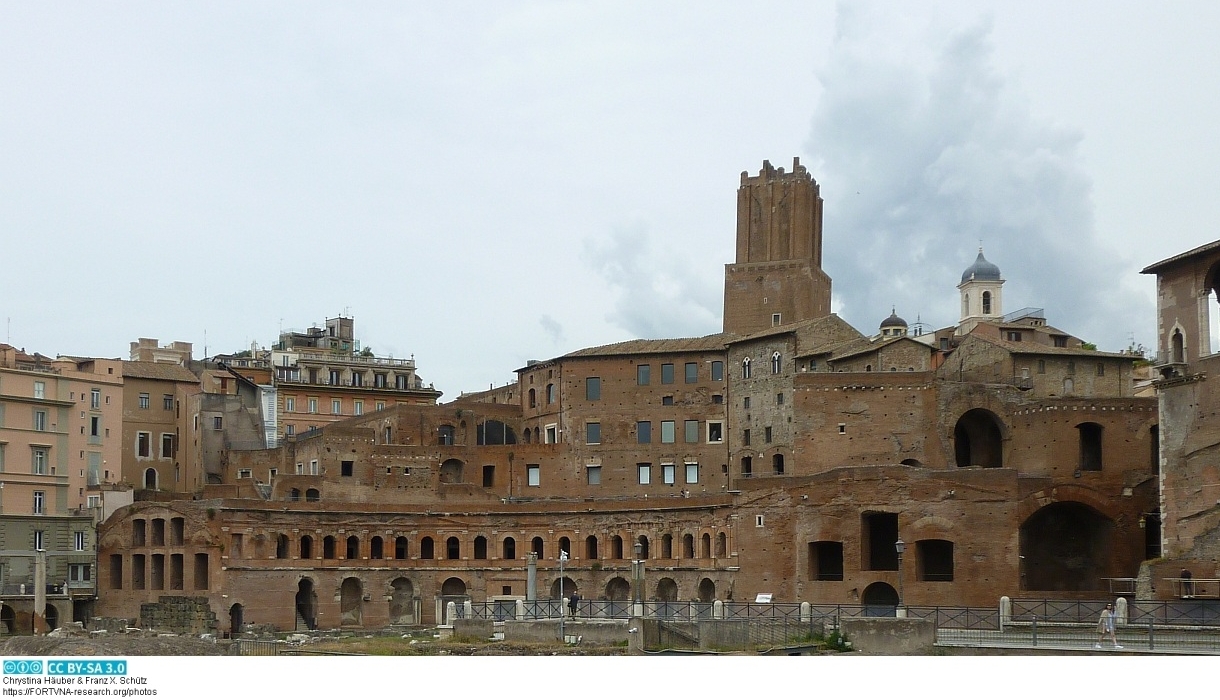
(593, 475)
(334, 377)
(533, 474)
(644, 472)
(313, 405)
(40, 420)
(379, 381)
(593, 388)
(358, 408)
(1101, 370)
(346, 467)
(336, 406)
(40, 461)
(40, 390)
(643, 432)
(290, 429)
(380, 405)
(745, 403)
(667, 431)
(692, 372)
(715, 431)
(643, 375)
(668, 474)
(144, 400)
(167, 446)
(717, 371)
(39, 540)
(313, 467)
(167, 402)
(692, 473)
(1013, 336)
(767, 434)
(40, 502)
(290, 404)
(95, 398)
(691, 430)
(745, 437)
(95, 426)
(1041, 366)
(552, 434)
(775, 319)
(1071, 368)
(667, 400)
(667, 373)
(779, 399)
(1061, 341)
(593, 433)
(79, 573)
(717, 399)
(244, 473)
(218, 423)
(78, 541)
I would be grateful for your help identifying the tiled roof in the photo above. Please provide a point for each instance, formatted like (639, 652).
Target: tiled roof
(1037, 349)
(158, 370)
(707, 343)
(1167, 262)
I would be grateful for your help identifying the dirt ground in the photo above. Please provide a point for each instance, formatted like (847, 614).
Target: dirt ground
(111, 645)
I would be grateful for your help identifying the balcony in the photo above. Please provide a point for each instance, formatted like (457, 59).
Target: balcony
(331, 358)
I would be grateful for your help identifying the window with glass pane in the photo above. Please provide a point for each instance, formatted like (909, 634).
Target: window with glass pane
(667, 431)
(643, 375)
(691, 429)
(593, 433)
(692, 372)
(667, 373)
(593, 388)
(643, 432)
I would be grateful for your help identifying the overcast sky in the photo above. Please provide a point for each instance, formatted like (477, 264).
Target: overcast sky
(480, 184)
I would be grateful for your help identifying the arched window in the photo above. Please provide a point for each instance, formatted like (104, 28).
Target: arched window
(591, 547)
(353, 547)
(616, 547)
(313, 495)
(722, 545)
(1178, 346)
(510, 548)
(986, 303)
(775, 363)
(375, 548)
(425, 548)
(777, 464)
(745, 368)
(533, 399)
(536, 546)
(550, 393)
(444, 435)
(565, 545)
(306, 547)
(688, 546)
(294, 495)
(453, 548)
(400, 548)
(328, 547)
(705, 546)
(281, 546)
(480, 547)
(965, 305)
(667, 546)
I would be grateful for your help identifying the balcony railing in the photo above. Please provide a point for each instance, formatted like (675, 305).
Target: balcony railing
(357, 359)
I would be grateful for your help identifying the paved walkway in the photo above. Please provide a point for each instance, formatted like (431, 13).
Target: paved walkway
(1081, 639)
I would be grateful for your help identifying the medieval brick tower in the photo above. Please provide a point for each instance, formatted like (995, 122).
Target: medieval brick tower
(777, 277)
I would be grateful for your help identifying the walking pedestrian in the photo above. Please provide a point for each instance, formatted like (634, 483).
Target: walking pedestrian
(1188, 586)
(1106, 625)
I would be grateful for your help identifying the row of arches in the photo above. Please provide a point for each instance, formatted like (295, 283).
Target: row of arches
(684, 546)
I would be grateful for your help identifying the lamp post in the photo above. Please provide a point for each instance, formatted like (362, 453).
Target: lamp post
(563, 557)
(900, 547)
(637, 575)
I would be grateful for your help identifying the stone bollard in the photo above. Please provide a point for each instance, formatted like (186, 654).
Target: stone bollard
(519, 609)
(1005, 612)
(806, 613)
(718, 610)
(467, 610)
(1120, 611)
(450, 612)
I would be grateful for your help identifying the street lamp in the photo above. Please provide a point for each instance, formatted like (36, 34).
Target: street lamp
(900, 547)
(563, 557)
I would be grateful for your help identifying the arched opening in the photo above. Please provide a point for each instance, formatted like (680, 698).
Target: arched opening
(510, 548)
(667, 589)
(8, 619)
(294, 495)
(747, 467)
(400, 547)
(643, 542)
(306, 605)
(150, 478)
(590, 547)
(453, 548)
(281, 546)
(777, 464)
(376, 548)
(1177, 346)
(328, 547)
(480, 547)
(745, 368)
(688, 546)
(533, 399)
(880, 600)
(617, 588)
(445, 435)
(667, 546)
(565, 546)
(616, 547)
(236, 612)
(775, 363)
(453, 586)
(306, 547)
(912, 463)
(550, 394)
(402, 602)
(986, 303)
(51, 616)
(313, 495)
(426, 548)
(351, 602)
(977, 439)
(1090, 446)
(536, 547)
(1066, 546)
(353, 547)
(722, 545)
(451, 471)
(707, 591)
(705, 546)
(569, 587)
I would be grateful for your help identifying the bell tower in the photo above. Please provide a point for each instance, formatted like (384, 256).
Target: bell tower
(777, 278)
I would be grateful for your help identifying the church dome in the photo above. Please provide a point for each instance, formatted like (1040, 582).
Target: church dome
(981, 270)
(894, 321)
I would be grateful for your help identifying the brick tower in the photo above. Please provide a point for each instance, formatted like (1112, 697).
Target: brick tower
(777, 278)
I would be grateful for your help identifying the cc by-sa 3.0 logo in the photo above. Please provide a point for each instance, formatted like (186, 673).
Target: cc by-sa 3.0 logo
(14, 667)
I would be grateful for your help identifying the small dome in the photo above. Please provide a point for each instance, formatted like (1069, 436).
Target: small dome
(981, 270)
(894, 321)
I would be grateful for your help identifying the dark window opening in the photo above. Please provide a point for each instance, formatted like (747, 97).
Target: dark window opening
(593, 388)
(826, 561)
(480, 547)
(137, 533)
(494, 432)
(879, 532)
(510, 548)
(313, 495)
(175, 572)
(425, 548)
(977, 440)
(616, 547)
(201, 572)
(376, 548)
(453, 548)
(667, 546)
(777, 464)
(934, 560)
(307, 547)
(116, 572)
(536, 547)
(328, 547)
(400, 548)
(346, 467)
(445, 435)
(590, 547)
(747, 466)
(353, 547)
(1090, 446)
(489, 475)
(281, 546)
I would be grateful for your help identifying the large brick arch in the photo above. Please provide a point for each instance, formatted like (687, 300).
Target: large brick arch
(1065, 493)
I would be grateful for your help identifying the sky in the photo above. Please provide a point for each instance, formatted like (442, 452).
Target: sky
(479, 184)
